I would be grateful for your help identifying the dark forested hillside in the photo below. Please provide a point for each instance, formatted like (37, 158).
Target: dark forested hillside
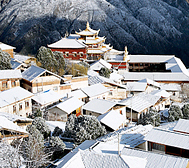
(145, 26)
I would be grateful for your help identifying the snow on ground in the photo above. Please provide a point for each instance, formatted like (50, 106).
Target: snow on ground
(53, 124)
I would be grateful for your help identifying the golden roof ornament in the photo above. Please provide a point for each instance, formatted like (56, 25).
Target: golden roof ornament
(87, 26)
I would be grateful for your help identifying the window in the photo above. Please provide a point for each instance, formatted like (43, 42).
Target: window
(13, 83)
(110, 93)
(39, 89)
(67, 54)
(20, 106)
(55, 88)
(81, 54)
(14, 108)
(74, 54)
(4, 84)
(27, 104)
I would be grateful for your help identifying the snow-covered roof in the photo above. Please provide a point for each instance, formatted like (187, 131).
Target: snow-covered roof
(116, 77)
(47, 97)
(5, 46)
(157, 76)
(10, 74)
(177, 66)
(6, 124)
(182, 126)
(170, 138)
(70, 105)
(155, 160)
(140, 102)
(15, 64)
(67, 43)
(161, 93)
(34, 71)
(77, 93)
(95, 51)
(100, 106)
(15, 118)
(73, 159)
(93, 159)
(88, 31)
(93, 40)
(13, 95)
(149, 58)
(100, 79)
(73, 36)
(150, 82)
(170, 87)
(95, 90)
(112, 119)
(136, 86)
(129, 136)
(22, 58)
(168, 125)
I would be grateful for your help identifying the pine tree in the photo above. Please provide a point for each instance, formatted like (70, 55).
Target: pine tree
(83, 128)
(10, 156)
(185, 111)
(60, 62)
(174, 113)
(41, 125)
(105, 72)
(152, 117)
(5, 60)
(46, 59)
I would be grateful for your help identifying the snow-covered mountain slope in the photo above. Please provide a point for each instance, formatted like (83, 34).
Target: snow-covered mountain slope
(145, 26)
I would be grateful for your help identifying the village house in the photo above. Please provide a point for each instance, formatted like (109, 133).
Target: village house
(96, 66)
(116, 90)
(95, 91)
(78, 94)
(22, 122)
(36, 79)
(7, 48)
(141, 103)
(16, 101)
(9, 131)
(45, 100)
(168, 142)
(9, 79)
(113, 120)
(76, 82)
(61, 111)
(98, 107)
(26, 60)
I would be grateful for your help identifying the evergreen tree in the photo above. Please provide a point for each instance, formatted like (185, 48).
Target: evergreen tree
(83, 128)
(5, 60)
(46, 59)
(57, 131)
(152, 117)
(185, 111)
(57, 146)
(60, 62)
(41, 125)
(9, 156)
(174, 113)
(104, 72)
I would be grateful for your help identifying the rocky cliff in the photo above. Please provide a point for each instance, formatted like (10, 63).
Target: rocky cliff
(145, 26)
